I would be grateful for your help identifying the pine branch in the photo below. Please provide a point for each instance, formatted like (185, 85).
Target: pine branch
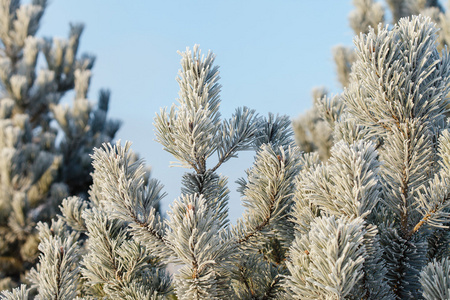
(425, 218)
(19, 293)
(434, 280)
(58, 270)
(268, 193)
(120, 183)
(237, 135)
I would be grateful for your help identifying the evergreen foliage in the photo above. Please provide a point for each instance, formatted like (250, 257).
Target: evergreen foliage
(370, 222)
(396, 97)
(44, 145)
(311, 132)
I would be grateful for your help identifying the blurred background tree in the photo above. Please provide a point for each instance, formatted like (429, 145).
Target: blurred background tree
(44, 145)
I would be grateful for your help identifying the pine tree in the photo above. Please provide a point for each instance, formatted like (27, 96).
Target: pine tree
(129, 244)
(388, 174)
(312, 130)
(37, 171)
(369, 223)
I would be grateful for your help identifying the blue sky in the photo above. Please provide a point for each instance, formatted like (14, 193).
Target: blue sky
(271, 54)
